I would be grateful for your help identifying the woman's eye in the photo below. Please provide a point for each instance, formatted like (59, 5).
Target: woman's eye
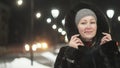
(83, 23)
(93, 22)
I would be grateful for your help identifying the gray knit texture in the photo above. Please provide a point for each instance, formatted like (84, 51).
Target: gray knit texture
(82, 13)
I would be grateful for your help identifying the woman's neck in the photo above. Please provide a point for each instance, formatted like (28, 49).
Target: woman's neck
(87, 40)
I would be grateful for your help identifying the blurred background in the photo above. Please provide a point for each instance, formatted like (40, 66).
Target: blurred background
(32, 31)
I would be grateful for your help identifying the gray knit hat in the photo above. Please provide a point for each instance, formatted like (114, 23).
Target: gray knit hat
(82, 13)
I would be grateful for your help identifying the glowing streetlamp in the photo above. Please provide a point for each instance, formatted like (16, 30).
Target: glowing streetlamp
(36, 46)
(118, 18)
(48, 20)
(63, 22)
(38, 15)
(44, 45)
(55, 13)
(66, 38)
(110, 13)
(54, 26)
(60, 30)
(19, 2)
(27, 47)
(63, 32)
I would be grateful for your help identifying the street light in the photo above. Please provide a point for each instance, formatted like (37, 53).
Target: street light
(35, 46)
(19, 2)
(55, 13)
(31, 32)
(63, 22)
(63, 32)
(54, 26)
(38, 15)
(60, 30)
(66, 38)
(118, 18)
(48, 20)
(27, 47)
(44, 45)
(110, 13)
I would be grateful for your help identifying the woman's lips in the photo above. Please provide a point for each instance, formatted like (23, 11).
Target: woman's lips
(88, 32)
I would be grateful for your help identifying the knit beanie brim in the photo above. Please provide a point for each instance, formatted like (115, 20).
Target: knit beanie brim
(82, 13)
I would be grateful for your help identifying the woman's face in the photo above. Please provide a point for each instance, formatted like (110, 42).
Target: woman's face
(87, 27)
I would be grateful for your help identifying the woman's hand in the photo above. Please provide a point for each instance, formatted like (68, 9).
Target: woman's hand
(106, 38)
(75, 41)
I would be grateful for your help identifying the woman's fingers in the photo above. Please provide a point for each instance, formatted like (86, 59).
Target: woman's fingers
(74, 36)
(106, 38)
(79, 42)
(75, 41)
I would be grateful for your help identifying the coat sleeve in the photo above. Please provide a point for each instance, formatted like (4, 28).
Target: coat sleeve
(60, 59)
(73, 54)
(78, 58)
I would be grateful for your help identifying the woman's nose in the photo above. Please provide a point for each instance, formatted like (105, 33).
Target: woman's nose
(88, 26)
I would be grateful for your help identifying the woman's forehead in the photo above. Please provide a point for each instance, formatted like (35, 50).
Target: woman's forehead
(91, 18)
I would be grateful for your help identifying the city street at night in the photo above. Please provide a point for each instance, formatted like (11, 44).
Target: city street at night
(33, 31)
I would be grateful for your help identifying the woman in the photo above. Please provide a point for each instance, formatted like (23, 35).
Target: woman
(90, 43)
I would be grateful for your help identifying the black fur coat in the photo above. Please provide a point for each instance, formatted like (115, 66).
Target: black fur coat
(103, 56)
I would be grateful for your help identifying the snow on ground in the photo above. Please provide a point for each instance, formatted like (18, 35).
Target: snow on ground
(24, 63)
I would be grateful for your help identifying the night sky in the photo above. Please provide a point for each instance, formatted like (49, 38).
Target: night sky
(20, 19)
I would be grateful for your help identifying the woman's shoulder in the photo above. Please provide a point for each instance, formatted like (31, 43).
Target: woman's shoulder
(63, 48)
(110, 44)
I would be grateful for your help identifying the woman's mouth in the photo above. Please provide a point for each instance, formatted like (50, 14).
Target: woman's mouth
(88, 32)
